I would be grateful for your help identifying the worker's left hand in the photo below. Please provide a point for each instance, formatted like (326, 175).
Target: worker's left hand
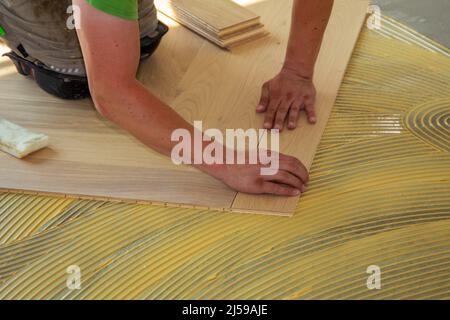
(284, 97)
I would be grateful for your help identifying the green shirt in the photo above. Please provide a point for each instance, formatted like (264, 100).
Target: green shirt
(45, 35)
(126, 9)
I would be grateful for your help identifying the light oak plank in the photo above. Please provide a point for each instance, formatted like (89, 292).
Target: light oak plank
(340, 38)
(218, 16)
(207, 19)
(112, 181)
(163, 71)
(222, 88)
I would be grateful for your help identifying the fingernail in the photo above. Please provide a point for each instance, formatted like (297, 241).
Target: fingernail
(313, 119)
(296, 192)
(267, 125)
(259, 108)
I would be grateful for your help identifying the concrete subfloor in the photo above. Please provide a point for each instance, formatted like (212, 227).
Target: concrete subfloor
(429, 17)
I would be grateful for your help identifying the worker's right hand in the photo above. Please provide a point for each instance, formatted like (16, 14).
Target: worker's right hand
(289, 180)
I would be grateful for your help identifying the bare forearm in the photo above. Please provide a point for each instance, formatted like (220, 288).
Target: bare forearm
(132, 107)
(309, 21)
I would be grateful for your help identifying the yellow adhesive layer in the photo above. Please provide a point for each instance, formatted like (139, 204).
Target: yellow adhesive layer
(379, 196)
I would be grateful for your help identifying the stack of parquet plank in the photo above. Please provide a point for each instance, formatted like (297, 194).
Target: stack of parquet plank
(222, 22)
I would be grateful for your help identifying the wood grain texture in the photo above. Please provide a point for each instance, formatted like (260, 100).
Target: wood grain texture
(217, 15)
(340, 38)
(222, 22)
(91, 157)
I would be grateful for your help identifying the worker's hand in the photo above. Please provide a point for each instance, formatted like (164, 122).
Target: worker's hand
(290, 180)
(284, 97)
